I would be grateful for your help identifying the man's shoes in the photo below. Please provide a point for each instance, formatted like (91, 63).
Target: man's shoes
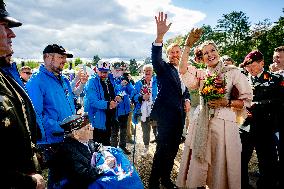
(125, 150)
(153, 141)
(168, 185)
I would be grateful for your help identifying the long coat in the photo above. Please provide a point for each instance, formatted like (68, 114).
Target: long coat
(17, 135)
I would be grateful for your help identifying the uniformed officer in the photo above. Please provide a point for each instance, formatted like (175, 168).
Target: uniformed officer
(268, 90)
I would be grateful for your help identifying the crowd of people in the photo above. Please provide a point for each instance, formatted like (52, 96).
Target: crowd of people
(41, 126)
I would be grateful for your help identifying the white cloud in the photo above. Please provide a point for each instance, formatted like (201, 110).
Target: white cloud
(112, 28)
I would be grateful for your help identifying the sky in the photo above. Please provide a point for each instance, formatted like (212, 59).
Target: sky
(118, 28)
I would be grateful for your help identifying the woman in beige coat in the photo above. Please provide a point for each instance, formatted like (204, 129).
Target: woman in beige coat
(212, 150)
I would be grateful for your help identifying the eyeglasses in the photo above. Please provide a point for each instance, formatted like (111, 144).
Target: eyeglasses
(28, 73)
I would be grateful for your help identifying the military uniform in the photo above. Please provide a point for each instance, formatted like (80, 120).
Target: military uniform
(267, 109)
(17, 135)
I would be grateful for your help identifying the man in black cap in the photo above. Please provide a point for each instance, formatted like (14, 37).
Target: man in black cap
(52, 97)
(266, 111)
(17, 118)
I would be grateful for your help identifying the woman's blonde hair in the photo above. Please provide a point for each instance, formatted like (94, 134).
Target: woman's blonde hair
(209, 42)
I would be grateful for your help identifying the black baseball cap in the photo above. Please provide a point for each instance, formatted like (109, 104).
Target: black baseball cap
(4, 15)
(57, 49)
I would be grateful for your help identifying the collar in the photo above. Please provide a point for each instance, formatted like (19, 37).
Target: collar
(43, 69)
(258, 75)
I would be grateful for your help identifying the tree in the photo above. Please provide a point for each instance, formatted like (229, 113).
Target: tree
(148, 60)
(32, 64)
(133, 67)
(78, 61)
(259, 38)
(96, 58)
(233, 32)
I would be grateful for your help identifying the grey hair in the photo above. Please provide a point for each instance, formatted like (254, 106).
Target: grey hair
(147, 66)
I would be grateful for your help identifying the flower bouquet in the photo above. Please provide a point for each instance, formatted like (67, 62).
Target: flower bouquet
(214, 87)
(145, 90)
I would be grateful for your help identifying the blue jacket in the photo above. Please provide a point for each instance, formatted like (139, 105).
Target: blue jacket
(123, 107)
(137, 96)
(53, 100)
(95, 103)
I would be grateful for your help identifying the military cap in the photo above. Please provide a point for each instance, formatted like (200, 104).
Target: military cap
(4, 15)
(251, 57)
(74, 122)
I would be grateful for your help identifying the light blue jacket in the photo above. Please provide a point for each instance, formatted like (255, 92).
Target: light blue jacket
(53, 100)
(137, 97)
(95, 103)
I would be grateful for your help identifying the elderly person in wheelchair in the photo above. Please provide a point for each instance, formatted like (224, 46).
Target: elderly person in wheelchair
(79, 163)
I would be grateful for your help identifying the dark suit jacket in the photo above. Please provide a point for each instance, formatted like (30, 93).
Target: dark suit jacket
(73, 162)
(169, 105)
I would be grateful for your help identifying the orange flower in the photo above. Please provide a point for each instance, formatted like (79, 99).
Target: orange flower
(266, 76)
(214, 87)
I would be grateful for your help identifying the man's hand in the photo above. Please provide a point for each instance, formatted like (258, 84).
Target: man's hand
(193, 36)
(112, 104)
(118, 99)
(162, 26)
(187, 106)
(40, 182)
(222, 102)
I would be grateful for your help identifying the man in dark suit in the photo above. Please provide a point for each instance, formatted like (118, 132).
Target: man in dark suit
(266, 111)
(169, 108)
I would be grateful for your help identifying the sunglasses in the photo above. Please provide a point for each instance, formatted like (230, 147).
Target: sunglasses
(28, 73)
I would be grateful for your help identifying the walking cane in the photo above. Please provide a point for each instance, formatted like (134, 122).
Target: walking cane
(134, 147)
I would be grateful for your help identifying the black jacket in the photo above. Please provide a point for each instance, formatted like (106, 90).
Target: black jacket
(169, 104)
(73, 162)
(16, 137)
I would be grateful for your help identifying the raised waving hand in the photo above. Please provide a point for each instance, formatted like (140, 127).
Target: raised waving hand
(162, 26)
(193, 36)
